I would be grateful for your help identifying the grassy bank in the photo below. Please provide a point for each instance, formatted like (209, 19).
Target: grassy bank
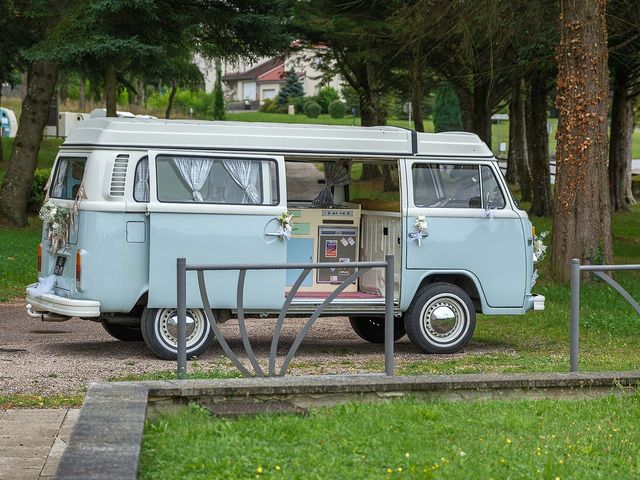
(407, 438)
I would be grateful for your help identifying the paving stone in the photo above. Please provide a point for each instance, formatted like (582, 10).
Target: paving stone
(20, 474)
(53, 459)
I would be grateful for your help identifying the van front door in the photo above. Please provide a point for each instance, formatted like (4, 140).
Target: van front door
(216, 209)
(472, 228)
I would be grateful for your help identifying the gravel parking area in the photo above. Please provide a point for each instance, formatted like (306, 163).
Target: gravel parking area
(47, 358)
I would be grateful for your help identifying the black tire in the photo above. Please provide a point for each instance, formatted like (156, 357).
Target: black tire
(452, 330)
(124, 333)
(371, 329)
(160, 332)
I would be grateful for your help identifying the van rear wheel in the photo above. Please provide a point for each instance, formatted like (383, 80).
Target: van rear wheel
(160, 332)
(124, 333)
(371, 329)
(441, 318)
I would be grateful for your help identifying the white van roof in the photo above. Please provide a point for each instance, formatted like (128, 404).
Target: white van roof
(272, 137)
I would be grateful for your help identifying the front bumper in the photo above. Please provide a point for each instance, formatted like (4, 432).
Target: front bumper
(538, 302)
(69, 307)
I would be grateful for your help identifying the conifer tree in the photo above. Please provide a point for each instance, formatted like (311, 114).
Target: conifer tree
(292, 88)
(446, 110)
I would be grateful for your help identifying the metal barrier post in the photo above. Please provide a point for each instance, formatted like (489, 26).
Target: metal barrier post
(182, 317)
(388, 315)
(575, 315)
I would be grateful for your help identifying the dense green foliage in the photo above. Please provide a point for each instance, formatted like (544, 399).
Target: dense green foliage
(413, 438)
(337, 109)
(312, 109)
(36, 199)
(325, 96)
(218, 95)
(446, 110)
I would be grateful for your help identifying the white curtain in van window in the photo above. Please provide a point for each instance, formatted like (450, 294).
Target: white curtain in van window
(58, 187)
(194, 171)
(141, 184)
(246, 173)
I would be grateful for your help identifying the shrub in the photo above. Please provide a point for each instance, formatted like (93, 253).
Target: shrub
(312, 109)
(337, 109)
(269, 105)
(446, 110)
(325, 96)
(36, 197)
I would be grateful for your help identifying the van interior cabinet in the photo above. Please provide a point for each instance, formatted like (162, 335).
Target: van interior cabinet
(324, 235)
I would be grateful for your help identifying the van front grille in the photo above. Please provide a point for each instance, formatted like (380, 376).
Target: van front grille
(119, 176)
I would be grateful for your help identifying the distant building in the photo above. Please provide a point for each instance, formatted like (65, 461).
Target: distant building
(248, 84)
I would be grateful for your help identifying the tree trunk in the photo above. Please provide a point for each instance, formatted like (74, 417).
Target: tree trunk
(172, 96)
(620, 147)
(512, 156)
(371, 114)
(416, 91)
(582, 221)
(111, 90)
(81, 95)
(41, 83)
(518, 143)
(538, 146)
(1, 132)
(482, 111)
(466, 109)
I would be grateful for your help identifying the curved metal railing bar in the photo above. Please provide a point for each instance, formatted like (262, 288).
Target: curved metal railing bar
(214, 326)
(280, 322)
(292, 351)
(243, 328)
(620, 289)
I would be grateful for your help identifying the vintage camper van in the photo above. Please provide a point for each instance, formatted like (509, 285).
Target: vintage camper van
(143, 192)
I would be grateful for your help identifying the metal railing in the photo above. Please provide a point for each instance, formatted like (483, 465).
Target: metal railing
(359, 269)
(599, 270)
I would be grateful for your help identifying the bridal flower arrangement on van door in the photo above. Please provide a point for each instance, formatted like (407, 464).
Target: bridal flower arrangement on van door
(58, 221)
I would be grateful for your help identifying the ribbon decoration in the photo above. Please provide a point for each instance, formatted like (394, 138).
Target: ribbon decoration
(284, 232)
(418, 236)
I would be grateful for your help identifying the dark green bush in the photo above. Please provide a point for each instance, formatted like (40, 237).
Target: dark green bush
(446, 110)
(36, 197)
(337, 109)
(269, 105)
(312, 109)
(325, 96)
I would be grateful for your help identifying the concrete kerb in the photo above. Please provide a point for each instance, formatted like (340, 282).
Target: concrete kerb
(105, 442)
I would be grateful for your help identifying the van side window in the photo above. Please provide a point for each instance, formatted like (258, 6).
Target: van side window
(141, 181)
(446, 185)
(68, 178)
(493, 197)
(239, 181)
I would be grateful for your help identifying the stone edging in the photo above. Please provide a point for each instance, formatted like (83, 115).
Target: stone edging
(105, 443)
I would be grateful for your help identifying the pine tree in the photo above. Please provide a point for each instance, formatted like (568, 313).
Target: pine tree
(292, 88)
(446, 110)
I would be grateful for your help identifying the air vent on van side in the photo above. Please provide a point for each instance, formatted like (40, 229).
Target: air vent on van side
(119, 176)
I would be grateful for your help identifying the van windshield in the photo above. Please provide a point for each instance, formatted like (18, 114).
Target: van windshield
(68, 178)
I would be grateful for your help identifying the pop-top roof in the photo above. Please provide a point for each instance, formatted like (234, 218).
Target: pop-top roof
(272, 137)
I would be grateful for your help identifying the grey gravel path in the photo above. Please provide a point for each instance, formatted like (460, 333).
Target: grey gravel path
(46, 358)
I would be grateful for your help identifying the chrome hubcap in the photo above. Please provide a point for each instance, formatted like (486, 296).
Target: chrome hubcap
(443, 318)
(168, 326)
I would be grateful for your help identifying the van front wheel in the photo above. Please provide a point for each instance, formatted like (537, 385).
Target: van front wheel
(160, 332)
(441, 318)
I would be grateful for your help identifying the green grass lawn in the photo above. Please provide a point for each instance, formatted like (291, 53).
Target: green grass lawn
(18, 258)
(404, 438)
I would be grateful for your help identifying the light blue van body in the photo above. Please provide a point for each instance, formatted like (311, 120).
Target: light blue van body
(128, 249)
